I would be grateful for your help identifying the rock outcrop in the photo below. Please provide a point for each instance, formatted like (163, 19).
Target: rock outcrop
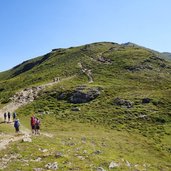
(82, 95)
(123, 103)
(26, 95)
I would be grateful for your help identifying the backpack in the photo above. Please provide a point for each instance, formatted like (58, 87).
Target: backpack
(16, 124)
(33, 120)
(37, 122)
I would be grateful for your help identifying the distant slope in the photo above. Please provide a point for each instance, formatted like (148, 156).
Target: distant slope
(166, 55)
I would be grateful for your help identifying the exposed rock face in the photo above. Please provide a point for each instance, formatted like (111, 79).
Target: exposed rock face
(26, 95)
(123, 103)
(62, 96)
(139, 67)
(82, 97)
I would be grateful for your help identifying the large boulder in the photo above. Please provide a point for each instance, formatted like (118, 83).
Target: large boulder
(83, 97)
(81, 94)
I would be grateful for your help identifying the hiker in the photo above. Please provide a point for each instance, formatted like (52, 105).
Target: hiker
(5, 116)
(17, 125)
(14, 116)
(9, 116)
(37, 126)
(33, 122)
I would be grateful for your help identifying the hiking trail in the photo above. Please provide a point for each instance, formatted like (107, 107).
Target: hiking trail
(22, 98)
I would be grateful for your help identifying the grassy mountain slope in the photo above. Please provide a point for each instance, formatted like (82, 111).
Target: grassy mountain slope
(134, 102)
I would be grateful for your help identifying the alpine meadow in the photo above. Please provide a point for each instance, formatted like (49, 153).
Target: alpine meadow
(102, 106)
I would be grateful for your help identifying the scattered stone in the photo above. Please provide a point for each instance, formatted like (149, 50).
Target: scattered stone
(85, 152)
(38, 169)
(26, 139)
(75, 109)
(58, 154)
(97, 152)
(113, 165)
(104, 60)
(77, 149)
(38, 159)
(100, 169)
(142, 116)
(83, 139)
(128, 164)
(81, 157)
(53, 166)
(45, 150)
(123, 103)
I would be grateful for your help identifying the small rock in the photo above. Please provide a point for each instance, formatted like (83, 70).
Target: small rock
(53, 166)
(81, 157)
(38, 169)
(97, 152)
(45, 150)
(38, 159)
(83, 138)
(58, 154)
(85, 152)
(113, 165)
(75, 109)
(26, 139)
(128, 164)
(100, 169)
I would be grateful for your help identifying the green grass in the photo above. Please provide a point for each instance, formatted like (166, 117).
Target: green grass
(86, 147)
(135, 73)
(6, 128)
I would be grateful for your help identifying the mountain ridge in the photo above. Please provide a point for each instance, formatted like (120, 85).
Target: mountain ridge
(166, 55)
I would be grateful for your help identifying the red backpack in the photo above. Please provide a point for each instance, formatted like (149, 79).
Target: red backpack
(33, 121)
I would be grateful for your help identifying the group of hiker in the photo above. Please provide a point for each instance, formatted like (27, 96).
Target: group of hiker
(35, 125)
(15, 120)
(34, 121)
(9, 116)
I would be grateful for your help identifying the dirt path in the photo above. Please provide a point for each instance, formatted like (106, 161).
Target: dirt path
(14, 105)
(87, 72)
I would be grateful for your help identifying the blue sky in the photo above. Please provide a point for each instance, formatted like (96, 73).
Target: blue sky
(30, 28)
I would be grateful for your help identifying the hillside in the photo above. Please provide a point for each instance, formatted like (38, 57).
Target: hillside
(105, 93)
